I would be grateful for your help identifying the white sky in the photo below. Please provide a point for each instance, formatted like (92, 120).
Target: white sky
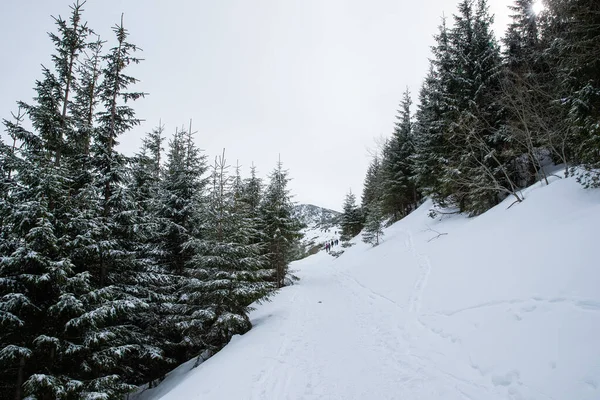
(313, 80)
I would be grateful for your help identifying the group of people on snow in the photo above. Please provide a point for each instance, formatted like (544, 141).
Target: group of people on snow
(330, 243)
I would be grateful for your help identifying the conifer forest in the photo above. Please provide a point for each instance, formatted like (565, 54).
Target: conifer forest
(116, 269)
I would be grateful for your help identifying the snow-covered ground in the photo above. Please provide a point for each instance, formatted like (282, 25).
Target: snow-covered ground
(503, 306)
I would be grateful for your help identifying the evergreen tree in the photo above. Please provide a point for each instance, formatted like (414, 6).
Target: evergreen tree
(398, 192)
(229, 272)
(373, 184)
(352, 221)
(250, 202)
(113, 343)
(432, 148)
(460, 119)
(573, 36)
(373, 224)
(526, 97)
(40, 288)
(158, 283)
(181, 212)
(280, 227)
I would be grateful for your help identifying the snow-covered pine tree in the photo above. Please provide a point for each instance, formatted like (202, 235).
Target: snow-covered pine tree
(229, 272)
(146, 184)
(114, 346)
(459, 123)
(84, 107)
(181, 210)
(531, 115)
(39, 292)
(573, 36)
(280, 227)
(352, 220)
(373, 229)
(373, 183)
(432, 149)
(399, 195)
(250, 201)
(40, 288)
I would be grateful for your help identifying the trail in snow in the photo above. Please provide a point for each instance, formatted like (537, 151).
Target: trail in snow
(424, 270)
(336, 339)
(505, 306)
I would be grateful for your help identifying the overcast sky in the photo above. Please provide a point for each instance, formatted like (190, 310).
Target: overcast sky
(313, 80)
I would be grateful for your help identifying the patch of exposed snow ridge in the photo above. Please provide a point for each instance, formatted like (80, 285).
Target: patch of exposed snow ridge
(504, 306)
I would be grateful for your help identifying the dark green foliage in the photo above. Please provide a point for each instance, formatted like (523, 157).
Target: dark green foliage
(280, 227)
(352, 218)
(488, 124)
(399, 194)
(373, 230)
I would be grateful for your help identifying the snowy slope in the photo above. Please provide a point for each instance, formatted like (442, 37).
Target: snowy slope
(503, 306)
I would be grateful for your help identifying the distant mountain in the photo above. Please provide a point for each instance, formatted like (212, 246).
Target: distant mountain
(322, 224)
(315, 216)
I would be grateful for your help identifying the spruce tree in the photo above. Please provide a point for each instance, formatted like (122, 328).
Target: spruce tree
(432, 147)
(373, 184)
(182, 218)
(573, 36)
(250, 202)
(230, 272)
(352, 221)
(113, 344)
(373, 229)
(40, 287)
(398, 193)
(280, 227)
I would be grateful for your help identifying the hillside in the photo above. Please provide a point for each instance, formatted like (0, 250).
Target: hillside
(502, 306)
(322, 224)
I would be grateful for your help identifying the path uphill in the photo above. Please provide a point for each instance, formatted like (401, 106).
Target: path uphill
(504, 306)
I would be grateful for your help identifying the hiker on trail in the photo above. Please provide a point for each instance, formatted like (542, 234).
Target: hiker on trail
(327, 247)
(336, 242)
(332, 243)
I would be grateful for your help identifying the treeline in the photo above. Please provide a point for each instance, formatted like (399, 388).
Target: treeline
(490, 118)
(116, 269)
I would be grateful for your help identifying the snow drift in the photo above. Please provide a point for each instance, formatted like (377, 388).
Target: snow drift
(502, 306)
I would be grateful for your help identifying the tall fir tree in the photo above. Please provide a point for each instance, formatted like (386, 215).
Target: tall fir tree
(352, 220)
(373, 230)
(573, 36)
(40, 288)
(280, 227)
(230, 272)
(113, 343)
(181, 212)
(398, 192)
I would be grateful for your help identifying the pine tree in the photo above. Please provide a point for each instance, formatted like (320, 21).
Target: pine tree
(181, 212)
(526, 98)
(40, 288)
(352, 221)
(573, 36)
(432, 148)
(113, 344)
(373, 224)
(146, 182)
(280, 227)
(229, 272)
(373, 184)
(398, 193)
(458, 158)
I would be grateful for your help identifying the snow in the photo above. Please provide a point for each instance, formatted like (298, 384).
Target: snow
(503, 306)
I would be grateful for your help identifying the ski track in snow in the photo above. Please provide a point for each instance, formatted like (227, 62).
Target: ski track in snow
(414, 304)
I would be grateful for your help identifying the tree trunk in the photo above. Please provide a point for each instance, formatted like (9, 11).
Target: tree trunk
(20, 378)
